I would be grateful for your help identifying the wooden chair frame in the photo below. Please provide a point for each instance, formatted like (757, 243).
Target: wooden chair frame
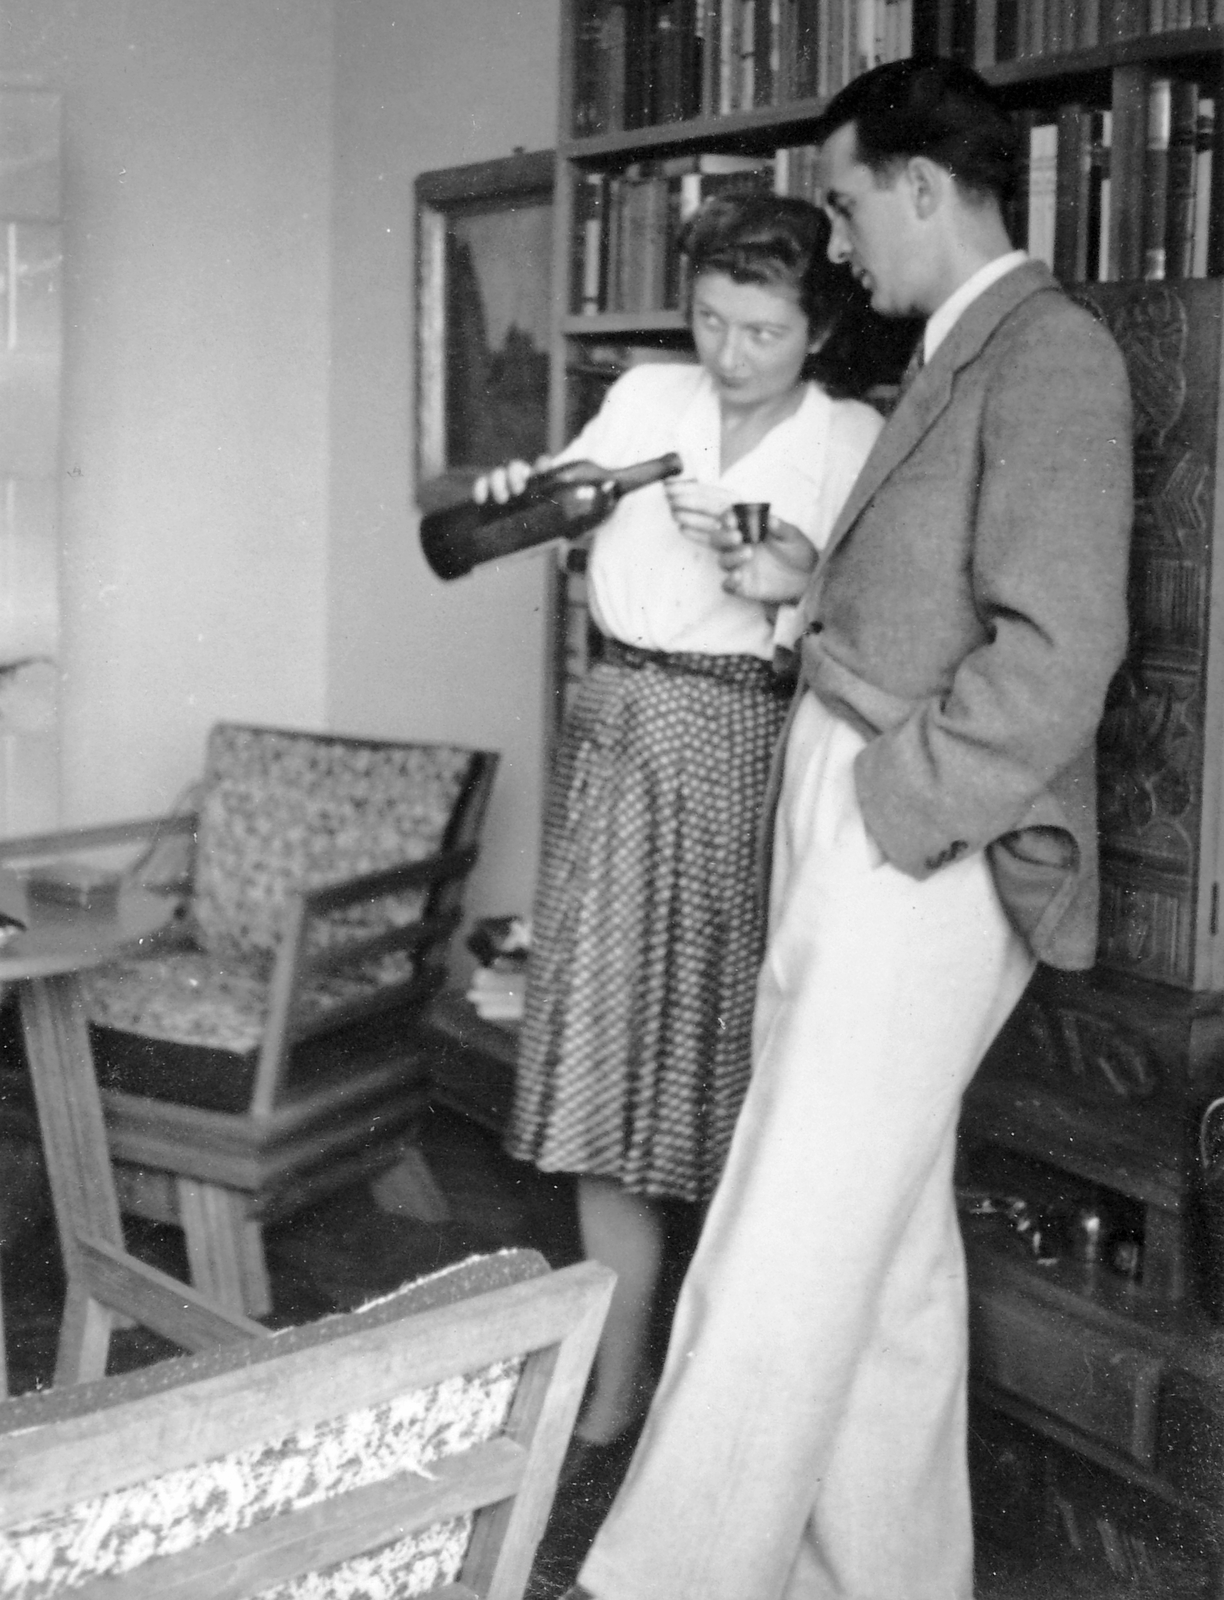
(59, 1449)
(221, 1174)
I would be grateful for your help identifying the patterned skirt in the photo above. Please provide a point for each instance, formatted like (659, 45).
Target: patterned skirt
(647, 932)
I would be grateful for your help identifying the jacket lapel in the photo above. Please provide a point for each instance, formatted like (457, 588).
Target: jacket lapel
(931, 391)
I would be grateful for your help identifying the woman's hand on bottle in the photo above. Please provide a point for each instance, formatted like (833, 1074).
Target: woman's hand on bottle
(506, 481)
(699, 508)
(774, 571)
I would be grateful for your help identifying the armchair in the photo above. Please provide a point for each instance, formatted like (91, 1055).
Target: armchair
(264, 1055)
(412, 1447)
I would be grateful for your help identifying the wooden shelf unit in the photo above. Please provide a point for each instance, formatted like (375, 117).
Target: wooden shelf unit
(1099, 1079)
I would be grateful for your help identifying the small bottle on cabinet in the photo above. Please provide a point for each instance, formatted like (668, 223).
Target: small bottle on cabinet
(562, 503)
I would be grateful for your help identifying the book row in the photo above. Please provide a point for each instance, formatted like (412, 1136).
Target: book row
(1071, 214)
(988, 31)
(638, 63)
(641, 62)
(1070, 211)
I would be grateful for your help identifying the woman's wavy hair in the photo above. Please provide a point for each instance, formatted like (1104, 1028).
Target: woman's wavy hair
(779, 241)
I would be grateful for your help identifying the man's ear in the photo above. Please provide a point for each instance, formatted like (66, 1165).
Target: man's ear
(928, 183)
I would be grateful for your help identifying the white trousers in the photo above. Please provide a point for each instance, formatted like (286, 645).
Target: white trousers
(807, 1440)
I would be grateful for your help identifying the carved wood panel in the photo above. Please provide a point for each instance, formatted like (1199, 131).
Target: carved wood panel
(1151, 745)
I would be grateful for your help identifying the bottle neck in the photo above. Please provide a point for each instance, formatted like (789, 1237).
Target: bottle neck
(644, 472)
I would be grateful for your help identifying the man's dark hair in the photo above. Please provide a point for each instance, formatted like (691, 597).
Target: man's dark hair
(934, 108)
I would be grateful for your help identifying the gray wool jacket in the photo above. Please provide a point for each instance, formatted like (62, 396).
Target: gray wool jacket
(969, 610)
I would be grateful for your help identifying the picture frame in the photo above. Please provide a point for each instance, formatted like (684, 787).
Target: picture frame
(484, 317)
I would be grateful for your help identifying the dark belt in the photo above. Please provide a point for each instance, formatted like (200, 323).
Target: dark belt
(748, 672)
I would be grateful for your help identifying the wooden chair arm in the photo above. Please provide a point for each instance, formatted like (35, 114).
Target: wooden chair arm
(109, 833)
(352, 952)
(328, 897)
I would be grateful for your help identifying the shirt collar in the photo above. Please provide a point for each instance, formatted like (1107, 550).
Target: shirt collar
(941, 322)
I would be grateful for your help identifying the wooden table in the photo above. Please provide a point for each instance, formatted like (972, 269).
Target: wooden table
(105, 1286)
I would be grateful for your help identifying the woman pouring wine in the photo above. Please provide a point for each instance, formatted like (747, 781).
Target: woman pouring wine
(646, 932)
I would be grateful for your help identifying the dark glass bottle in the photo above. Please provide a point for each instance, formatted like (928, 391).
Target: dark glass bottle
(562, 503)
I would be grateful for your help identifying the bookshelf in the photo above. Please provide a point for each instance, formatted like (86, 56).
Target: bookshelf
(1091, 1098)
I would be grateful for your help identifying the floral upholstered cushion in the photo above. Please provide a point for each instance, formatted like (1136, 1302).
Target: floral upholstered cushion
(188, 997)
(118, 1532)
(284, 811)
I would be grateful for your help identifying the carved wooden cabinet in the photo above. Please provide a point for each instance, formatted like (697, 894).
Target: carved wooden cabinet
(1091, 1098)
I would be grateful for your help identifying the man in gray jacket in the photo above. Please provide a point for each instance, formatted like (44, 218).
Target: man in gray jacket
(933, 835)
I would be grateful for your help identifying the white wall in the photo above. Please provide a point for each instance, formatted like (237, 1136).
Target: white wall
(238, 529)
(197, 296)
(423, 84)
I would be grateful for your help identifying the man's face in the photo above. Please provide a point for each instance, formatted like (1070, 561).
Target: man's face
(873, 225)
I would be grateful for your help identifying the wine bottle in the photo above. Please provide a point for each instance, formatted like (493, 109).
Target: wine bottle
(561, 503)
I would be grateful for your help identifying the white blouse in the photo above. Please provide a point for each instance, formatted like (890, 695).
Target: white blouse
(650, 584)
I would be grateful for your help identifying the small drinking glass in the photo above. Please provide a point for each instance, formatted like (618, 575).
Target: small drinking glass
(752, 519)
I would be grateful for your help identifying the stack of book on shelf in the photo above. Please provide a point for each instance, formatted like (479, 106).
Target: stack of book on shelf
(627, 226)
(499, 984)
(641, 62)
(1021, 30)
(1066, 211)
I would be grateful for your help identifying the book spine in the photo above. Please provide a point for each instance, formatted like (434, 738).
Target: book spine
(666, 63)
(614, 206)
(1042, 191)
(632, 237)
(764, 35)
(746, 91)
(807, 49)
(1204, 145)
(850, 41)
(585, 118)
(655, 242)
(612, 83)
(1102, 134)
(1183, 138)
(1017, 210)
(1129, 20)
(1072, 184)
(639, 63)
(728, 58)
(836, 44)
(1127, 159)
(590, 210)
(1037, 28)
(1055, 18)
(711, 41)
(905, 29)
(1007, 19)
(692, 53)
(1156, 177)
(986, 33)
(783, 57)
(1088, 26)
(824, 53)
(1215, 226)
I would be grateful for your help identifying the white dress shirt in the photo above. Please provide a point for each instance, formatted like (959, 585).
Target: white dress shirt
(941, 322)
(653, 586)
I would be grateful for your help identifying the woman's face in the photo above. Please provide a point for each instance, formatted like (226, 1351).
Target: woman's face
(751, 339)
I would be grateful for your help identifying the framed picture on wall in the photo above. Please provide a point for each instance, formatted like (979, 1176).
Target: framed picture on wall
(484, 286)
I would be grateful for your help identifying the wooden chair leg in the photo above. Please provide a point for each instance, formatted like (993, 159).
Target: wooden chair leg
(410, 1189)
(84, 1337)
(224, 1248)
